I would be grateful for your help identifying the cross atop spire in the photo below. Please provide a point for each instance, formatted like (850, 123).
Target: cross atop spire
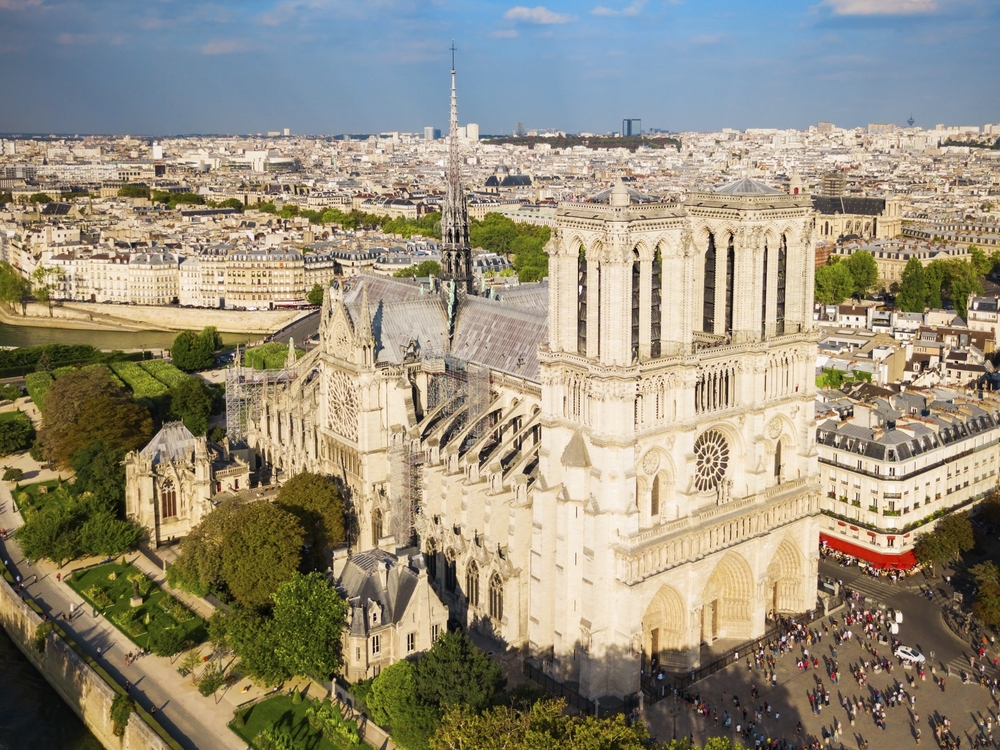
(456, 253)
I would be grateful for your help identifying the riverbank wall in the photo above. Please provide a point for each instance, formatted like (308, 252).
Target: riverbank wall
(94, 316)
(85, 691)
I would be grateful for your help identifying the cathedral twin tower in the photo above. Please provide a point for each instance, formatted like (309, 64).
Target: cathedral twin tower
(631, 476)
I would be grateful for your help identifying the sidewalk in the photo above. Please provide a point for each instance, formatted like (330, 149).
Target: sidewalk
(193, 720)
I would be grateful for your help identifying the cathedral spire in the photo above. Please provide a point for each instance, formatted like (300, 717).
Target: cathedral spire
(456, 253)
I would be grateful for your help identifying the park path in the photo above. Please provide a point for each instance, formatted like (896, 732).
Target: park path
(193, 720)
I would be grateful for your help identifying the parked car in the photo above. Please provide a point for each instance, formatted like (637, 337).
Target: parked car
(909, 654)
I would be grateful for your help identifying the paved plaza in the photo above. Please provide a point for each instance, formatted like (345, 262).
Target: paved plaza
(923, 627)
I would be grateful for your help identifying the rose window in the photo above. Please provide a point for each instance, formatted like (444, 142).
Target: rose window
(711, 460)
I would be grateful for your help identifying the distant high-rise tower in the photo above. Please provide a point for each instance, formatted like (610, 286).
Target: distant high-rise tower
(431, 133)
(631, 126)
(910, 121)
(519, 132)
(456, 253)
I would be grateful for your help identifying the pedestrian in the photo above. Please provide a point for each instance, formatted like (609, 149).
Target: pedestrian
(58, 577)
(98, 652)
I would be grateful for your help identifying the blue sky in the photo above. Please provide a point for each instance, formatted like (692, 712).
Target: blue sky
(335, 66)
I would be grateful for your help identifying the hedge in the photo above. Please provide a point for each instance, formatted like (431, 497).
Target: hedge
(38, 384)
(143, 384)
(164, 371)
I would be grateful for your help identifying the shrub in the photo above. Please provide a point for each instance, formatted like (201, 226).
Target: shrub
(121, 710)
(38, 384)
(37, 451)
(270, 356)
(41, 635)
(16, 434)
(163, 371)
(11, 392)
(13, 475)
(168, 642)
(211, 680)
(142, 384)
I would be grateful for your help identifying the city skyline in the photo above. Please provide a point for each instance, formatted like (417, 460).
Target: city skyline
(324, 67)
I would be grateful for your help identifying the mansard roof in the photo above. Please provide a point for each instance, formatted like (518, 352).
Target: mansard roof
(364, 579)
(746, 186)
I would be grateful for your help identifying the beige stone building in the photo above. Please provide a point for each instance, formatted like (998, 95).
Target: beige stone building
(176, 480)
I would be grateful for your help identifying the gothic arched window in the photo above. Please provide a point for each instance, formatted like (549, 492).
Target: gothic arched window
(708, 289)
(581, 302)
(777, 461)
(376, 526)
(430, 557)
(656, 305)
(636, 281)
(730, 279)
(168, 500)
(496, 597)
(654, 497)
(763, 298)
(472, 584)
(779, 321)
(449, 571)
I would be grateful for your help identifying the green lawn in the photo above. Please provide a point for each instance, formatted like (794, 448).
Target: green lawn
(281, 713)
(35, 497)
(111, 597)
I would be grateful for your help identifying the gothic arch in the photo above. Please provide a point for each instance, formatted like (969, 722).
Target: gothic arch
(783, 582)
(664, 627)
(727, 599)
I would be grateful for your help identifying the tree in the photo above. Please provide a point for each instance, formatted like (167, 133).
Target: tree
(85, 406)
(934, 277)
(913, 288)
(251, 636)
(191, 402)
(16, 435)
(316, 502)
(308, 618)
(864, 271)
(981, 263)
(260, 553)
(100, 470)
(121, 710)
(133, 191)
(963, 282)
(455, 671)
(544, 724)
(195, 351)
(103, 534)
(426, 268)
(956, 531)
(13, 286)
(315, 296)
(834, 283)
(13, 474)
(40, 198)
(394, 703)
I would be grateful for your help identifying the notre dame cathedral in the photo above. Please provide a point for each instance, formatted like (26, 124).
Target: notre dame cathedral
(613, 466)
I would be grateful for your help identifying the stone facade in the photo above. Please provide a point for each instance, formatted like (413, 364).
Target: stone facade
(632, 475)
(176, 480)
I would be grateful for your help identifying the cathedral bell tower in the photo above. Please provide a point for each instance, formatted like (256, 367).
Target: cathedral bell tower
(678, 499)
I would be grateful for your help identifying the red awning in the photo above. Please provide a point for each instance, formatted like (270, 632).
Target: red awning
(899, 561)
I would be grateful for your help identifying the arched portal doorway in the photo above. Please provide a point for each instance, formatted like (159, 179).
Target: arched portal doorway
(784, 579)
(726, 601)
(664, 630)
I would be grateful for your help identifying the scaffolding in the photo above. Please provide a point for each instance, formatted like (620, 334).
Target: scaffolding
(245, 388)
(457, 392)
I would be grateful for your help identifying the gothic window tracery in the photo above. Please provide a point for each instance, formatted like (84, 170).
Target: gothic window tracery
(168, 500)
(730, 280)
(450, 581)
(636, 281)
(496, 597)
(376, 526)
(343, 405)
(779, 322)
(581, 303)
(656, 305)
(708, 288)
(472, 584)
(711, 451)
(430, 558)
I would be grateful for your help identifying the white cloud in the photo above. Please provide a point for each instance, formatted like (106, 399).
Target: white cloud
(504, 34)
(222, 47)
(880, 7)
(632, 10)
(539, 14)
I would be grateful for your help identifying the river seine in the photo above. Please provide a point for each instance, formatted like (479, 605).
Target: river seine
(32, 715)
(32, 336)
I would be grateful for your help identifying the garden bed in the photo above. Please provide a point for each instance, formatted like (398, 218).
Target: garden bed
(146, 625)
(31, 497)
(281, 713)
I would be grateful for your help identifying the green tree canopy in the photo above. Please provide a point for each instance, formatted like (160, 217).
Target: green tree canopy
(253, 637)
(191, 402)
(316, 502)
(85, 406)
(133, 191)
(395, 704)
(934, 277)
(195, 351)
(834, 283)
(526, 242)
(16, 435)
(40, 198)
(912, 288)
(455, 671)
(13, 286)
(426, 268)
(100, 470)
(309, 616)
(864, 271)
(982, 264)
(315, 296)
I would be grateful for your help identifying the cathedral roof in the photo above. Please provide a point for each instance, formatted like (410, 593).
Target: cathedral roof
(377, 575)
(746, 186)
(173, 441)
